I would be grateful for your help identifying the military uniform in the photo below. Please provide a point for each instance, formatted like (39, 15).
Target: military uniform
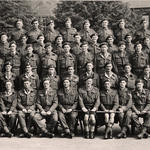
(112, 48)
(4, 49)
(94, 48)
(39, 49)
(58, 50)
(76, 48)
(1, 64)
(130, 49)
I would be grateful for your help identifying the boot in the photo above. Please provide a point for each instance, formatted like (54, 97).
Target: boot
(92, 135)
(28, 135)
(123, 134)
(141, 135)
(86, 135)
(8, 134)
(48, 134)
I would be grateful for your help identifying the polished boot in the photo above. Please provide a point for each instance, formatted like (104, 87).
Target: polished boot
(143, 132)
(92, 135)
(86, 135)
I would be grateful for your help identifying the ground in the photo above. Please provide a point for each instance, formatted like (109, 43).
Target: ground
(77, 143)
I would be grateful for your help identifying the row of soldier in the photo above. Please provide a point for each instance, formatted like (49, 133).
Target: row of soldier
(112, 70)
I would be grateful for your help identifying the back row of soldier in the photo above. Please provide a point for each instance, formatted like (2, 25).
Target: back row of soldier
(91, 77)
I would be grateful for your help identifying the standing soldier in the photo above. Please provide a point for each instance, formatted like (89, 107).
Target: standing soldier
(18, 31)
(139, 60)
(76, 45)
(8, 103)
(112, 48)
(4, 45)
(121, 31)
(104, 32)
(86, 32)
(68, 31)
(47, 59)
(102, 58)
(146, 45)
(51, 33)
(125, 104)
(89, 102)
(120, 58)
(141, 107)
(32, 58)
(34, 32)
(67, 102)
(109, 104)
(47, 103)
(14, 58)
(65, 60)
(83, 58)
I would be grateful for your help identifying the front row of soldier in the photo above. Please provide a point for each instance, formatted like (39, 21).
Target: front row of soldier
(45, 108)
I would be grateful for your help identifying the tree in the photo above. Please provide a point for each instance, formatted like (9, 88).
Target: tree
(95, 11)
(11, 10)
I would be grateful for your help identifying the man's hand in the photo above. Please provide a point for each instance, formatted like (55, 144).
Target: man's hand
(48, 113)
(64, 110)
(24, 110)
(43, 113)
(121, 109)
(94, 109)
(143, 112)
(29, 110)
(138, 112)
(111, 111)
(69, 110)
(10, 112)
(84, 109)
(4, 112)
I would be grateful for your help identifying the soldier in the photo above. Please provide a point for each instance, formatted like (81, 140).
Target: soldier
(18, 31)
(67, 102)
(109, 104)
(1, 65)
(121, 31)
(74, 79)
(102, 58)
(146, 77)
(8, 75)
(120, 58)
(139, 60)
(129, 45)
(34, 32)
(32, 58)
(76, 45)
(47, 103)
(90, 74)
(125, 104)
(22, 45)
(28, 74)
(68, 31)
(57, 48)
(14, 58)
(94, 45)
(51, 33)
(38, 47)
(111, 46)
(8, 103)
(131, 78)
(49, 58)
(89, 102)
(109, 75)
(65, 60)
(83, 58)
(146, 45)
(104, 32)
(53, 77)
(141, 107)
(4, 45)
(86, 32)
(143, 31)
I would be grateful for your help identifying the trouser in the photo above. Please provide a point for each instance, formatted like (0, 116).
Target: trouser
(8, 121)
(67, 120)
(25, 120)
(51, 121)
(146, 118)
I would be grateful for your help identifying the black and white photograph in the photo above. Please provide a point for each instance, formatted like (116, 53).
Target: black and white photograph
(74, 75)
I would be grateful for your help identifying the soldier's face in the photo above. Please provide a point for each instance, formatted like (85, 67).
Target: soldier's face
(51, 25)
(144, 24)
(4, 38)
(77, 38)
(8, 85)
(122, 84)
(147, 41)
(59, 40)
(138, 48)
(146, 71)
(35, 24)
(89, 83)
(51, 71)
(122, 47)
(66, 48)
(46, 84)
(89, 67)
(41, 39)
(13, 48)
(104, 48)
(27, 84)
(29, 50)
(109, 67)
(129, 38)
(94, 38)
(48, 49)
(86, 25)
(70, 70)
(107, 85)
(68, 23)
(8, 67)
(19, 24)
(122, 24)
(66, 83)
(84, 47)
(24, 39)
(105, 23)
(139, 86)
(110, 40)
(28, 69)
(127, 69)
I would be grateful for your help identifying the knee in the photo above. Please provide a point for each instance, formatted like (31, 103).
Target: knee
(86, 120)
(92, 120)
(55, 118)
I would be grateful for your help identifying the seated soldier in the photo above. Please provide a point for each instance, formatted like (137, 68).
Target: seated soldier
(89, 102)
(109, 104)
(125, 104)
(141, 108)
(67, 100)
(47, 102)
(8, 103)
